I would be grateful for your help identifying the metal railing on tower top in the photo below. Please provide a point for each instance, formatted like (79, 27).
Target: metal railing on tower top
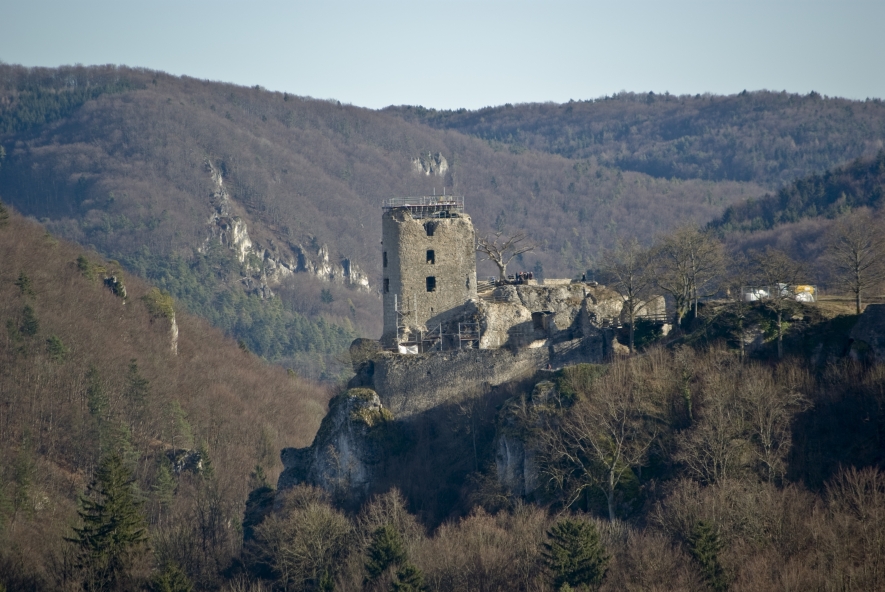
(426, 205)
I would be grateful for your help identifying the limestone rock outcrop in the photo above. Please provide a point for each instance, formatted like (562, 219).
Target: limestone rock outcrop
(431, 164)
(346, 450)
(268, 263)
(515, 453)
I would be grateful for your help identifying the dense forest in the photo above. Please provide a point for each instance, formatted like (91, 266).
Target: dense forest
(117, 158)
(742, 451)
(739, 473)
(87, 369)
(858, 184)
(766, 137)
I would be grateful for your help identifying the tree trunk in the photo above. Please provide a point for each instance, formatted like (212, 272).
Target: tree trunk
(780, 336)
(610, 496)
(632, 325)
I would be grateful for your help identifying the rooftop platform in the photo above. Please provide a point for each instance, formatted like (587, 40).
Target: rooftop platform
(427, 206)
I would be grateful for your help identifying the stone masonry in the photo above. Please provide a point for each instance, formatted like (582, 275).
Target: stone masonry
(429, 266)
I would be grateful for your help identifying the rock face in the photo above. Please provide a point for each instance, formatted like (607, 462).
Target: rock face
(868, 334)
(267, 265)
(346, 449)
(522, 315)
(431, 164)
(515, 454)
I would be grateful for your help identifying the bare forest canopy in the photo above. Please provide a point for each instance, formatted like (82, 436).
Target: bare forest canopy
(763, 137)
(119, 159)
(85, 373)
(685, 468)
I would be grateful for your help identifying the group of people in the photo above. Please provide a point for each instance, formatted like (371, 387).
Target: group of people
(522, 277)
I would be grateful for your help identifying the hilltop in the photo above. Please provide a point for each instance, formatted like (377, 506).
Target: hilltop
(769, 138)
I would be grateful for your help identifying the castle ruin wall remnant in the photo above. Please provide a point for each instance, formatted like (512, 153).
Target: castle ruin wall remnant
(428, 266)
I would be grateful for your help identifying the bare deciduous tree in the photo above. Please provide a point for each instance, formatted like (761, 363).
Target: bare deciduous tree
(778, 271)
(745, 416)
(500, 250)
(856, 253)
(688, 261)
(604, 436)
(627, 269)
(769, 407)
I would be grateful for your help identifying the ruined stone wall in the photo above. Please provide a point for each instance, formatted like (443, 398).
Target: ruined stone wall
(410, 384)
(406, 268)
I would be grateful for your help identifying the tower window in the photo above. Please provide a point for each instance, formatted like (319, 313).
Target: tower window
(430, 227)
(386, 285)
(431, 284)
(431, 256)
(384, 258)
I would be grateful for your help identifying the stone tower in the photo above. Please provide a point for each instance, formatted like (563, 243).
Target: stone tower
(428, 264)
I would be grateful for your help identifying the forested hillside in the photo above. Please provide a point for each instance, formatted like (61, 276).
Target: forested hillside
(86, 373)
(858, 184)
(126, 166)
(766, 137)
(154, 171)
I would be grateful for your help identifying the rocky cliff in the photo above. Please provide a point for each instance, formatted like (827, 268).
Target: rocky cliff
(346, 450)
(269, 262)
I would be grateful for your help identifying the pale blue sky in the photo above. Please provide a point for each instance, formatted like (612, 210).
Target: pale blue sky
(468, 53)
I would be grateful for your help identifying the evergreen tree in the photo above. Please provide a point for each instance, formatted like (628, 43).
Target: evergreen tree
(135, 395)
(113, 531)
(408, 579)
(96, 398)
(4, 213)
(386, 549)
(179, 429)
(163, 487)
(705, 546)
(56, 349)
(575, 555)
(24, 284)
(30, 324)
(171, 579)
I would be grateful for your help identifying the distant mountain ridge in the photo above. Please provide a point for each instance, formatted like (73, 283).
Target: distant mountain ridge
(765, 137)
(122, 159)
(860, 183)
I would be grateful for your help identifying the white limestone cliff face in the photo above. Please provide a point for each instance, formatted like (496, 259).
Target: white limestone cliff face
(515, 450)
(268, 265)
(173, 336)
(344, 454)
(431, 164)
(506, 316)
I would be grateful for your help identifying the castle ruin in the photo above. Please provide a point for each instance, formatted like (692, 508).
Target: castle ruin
(428, 265)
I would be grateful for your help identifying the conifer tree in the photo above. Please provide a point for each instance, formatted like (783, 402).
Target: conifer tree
(56, 349)
(386, 549)
(163, 487)
(136, 395)
(113, 532)
(170, 579)
(574, 555)
(30, 323)
(705, 546)
(96, 398)
(408, 579)
(24, 284)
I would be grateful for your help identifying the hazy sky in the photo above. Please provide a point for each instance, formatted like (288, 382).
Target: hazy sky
(468, 53)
